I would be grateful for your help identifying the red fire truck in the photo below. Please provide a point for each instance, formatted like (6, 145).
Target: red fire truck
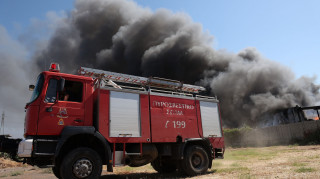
(78, 123)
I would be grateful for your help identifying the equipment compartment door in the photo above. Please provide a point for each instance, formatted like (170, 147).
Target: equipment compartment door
(173, 118)
(210, 119)
(124, 114)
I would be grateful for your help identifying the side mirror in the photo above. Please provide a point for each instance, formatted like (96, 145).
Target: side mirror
(61, 84)
(31, 87)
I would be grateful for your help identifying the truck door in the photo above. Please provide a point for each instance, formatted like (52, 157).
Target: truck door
(61, 109)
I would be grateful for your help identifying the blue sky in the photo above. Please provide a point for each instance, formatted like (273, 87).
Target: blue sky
(286, 31)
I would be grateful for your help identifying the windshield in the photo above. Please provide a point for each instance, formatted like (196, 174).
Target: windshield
(38, 88)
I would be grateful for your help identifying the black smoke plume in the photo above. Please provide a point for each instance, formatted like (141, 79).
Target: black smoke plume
(120, 36)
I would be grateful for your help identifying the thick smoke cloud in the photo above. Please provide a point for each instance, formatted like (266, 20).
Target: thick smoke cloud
(252, 85)
(120, 36)
(17, 71)
(14, 82)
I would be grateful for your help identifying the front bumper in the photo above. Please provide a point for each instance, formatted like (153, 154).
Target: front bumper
(25, 148)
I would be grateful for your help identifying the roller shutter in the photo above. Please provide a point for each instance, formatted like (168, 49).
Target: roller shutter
(210, 119)
(124, 114)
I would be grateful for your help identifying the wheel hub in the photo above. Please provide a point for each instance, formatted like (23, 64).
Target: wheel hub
(196, 160)
(82, 168)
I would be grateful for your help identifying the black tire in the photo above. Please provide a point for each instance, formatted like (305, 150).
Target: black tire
(81, 163)
(196, 161)
(164, 165)
(56, 171)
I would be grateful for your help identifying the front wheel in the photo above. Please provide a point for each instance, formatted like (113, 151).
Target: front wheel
(81, 163)
(196, 161)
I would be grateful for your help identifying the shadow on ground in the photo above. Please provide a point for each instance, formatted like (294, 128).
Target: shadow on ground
(147, 175)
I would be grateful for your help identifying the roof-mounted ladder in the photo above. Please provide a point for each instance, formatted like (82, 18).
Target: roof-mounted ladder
(141, 81)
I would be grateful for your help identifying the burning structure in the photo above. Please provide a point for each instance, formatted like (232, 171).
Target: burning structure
(288, 116)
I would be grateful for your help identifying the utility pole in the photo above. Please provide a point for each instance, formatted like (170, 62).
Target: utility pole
(2, 123)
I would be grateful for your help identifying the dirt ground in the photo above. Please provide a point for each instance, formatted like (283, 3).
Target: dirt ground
(266, 162)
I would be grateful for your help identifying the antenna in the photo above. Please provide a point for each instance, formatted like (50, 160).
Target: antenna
(2, 123)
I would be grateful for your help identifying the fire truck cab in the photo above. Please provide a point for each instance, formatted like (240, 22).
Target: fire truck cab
(77, 123)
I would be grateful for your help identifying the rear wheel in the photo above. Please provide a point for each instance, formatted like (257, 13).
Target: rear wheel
(56, 171)
(196, 161)
(164, 165)
(81, 163)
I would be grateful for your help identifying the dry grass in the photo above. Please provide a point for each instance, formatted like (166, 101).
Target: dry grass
(7, 163)
(269, 162)
(244, 163)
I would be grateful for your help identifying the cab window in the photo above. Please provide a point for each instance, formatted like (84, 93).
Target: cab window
(51, 94)
(72, 91)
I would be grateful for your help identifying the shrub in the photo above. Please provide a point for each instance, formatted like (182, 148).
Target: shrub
(234, 136)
